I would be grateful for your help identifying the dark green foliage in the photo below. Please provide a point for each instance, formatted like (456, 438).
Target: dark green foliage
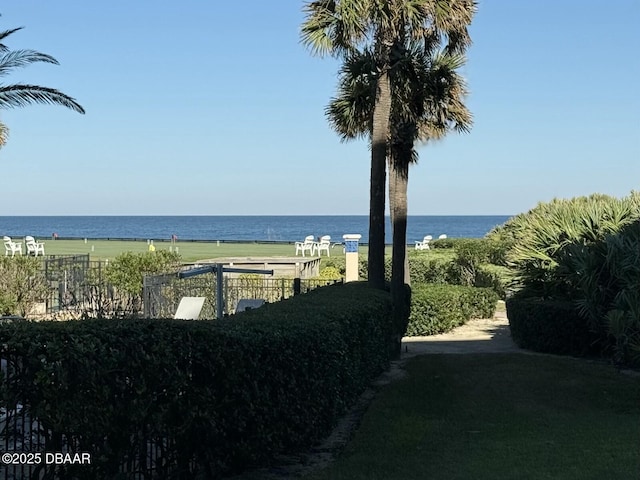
(440, 308)
(494, 277)
(21, 284)
(222, 395)
(445, 243)
(550, 326)
(424, 269)
(585, 251)
(126, 274)
(470, 254)
(608, 291)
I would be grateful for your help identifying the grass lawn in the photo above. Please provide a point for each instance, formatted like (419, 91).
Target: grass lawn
(191, 251)
(495, 417)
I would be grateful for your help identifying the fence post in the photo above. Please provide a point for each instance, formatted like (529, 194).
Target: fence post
(219, 291)
(296, 286)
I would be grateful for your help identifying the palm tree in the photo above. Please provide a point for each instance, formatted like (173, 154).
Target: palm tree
(20, 95)
(340, 27)
(427, 104)
(434, 105)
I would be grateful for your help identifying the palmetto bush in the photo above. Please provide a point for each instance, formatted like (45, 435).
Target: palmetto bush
(585, 250)
(545, 239)
(609, 290)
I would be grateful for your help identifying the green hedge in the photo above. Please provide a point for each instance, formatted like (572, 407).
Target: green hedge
(220, 394)
(440, 308)
(549, 326)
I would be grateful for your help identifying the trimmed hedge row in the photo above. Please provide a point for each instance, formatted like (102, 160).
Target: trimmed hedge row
(218, 395)
(549, 326)
(440, 308)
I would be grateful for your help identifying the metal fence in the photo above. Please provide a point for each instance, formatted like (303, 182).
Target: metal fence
(22, 432)
(162, 293)
(77, 288)
(27, 444)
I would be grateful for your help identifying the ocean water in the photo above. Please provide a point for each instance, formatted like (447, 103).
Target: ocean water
(239, 228)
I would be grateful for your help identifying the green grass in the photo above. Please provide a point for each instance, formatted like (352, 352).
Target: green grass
(189, 251)
(498, 417)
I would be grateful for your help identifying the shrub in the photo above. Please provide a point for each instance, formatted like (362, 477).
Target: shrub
(482, 302)
(127, 271)
(550, 326)
(425, 269)
(543, 239)
(495, 277)
(217, 395)
(445, 243)
(440, 308)
(21, 285)
(585, 250)
(608, 291)
(333, 262)
(330, 273)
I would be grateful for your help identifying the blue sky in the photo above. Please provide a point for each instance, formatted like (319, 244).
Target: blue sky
(215, 108)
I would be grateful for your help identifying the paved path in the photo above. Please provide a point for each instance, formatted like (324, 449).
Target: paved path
(476, 336)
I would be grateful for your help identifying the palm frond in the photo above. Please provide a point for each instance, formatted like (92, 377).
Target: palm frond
(4, 134)
(20, 95)
(334, 27)
(22, 58)
(5, 34)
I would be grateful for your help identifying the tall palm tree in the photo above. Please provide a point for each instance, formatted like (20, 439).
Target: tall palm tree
(20, 95)
(427, 104)
(339, 27)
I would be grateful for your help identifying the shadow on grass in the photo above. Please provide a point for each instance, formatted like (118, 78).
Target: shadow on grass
(498, 416)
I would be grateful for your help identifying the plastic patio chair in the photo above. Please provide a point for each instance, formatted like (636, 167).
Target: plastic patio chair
(424, 244)
(11, 247)
(309, 245)
(323, 245)
(33, 247)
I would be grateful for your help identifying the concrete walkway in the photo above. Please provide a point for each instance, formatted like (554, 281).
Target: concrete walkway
(476, 336)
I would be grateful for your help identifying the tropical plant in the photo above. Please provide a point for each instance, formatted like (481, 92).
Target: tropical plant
(608, 296)
(342, 27)
(126, 274)
(22, 285)
(545, 239)
(427, 104)
(585, 252)
(20, 95)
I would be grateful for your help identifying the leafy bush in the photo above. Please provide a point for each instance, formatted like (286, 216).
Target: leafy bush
(127, 271)
(608, 291)
(217, 395)
(440, 308)
(543, 238)
(495, 277)
(445, 243)
(330, 273)
(550, 326)
(427, 269)
(22, 284)
(585, 251)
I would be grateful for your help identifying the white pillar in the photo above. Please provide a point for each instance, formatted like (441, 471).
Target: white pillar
(351, 256)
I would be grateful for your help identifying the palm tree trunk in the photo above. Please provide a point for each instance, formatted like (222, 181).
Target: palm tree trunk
(379, 136)
(400, 291)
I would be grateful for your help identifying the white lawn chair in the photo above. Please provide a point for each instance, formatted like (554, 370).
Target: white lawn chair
(442, 237)
(323, 245)
(309, 245)
(424, 244)
(33, 247)
(11, 247)
(189, 308)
